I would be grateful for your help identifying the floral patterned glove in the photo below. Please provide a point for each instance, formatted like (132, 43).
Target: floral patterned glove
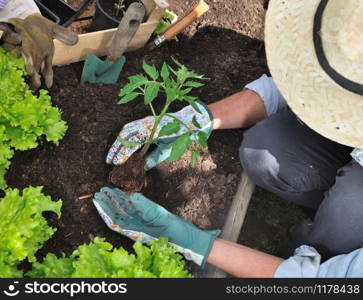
(138, 131)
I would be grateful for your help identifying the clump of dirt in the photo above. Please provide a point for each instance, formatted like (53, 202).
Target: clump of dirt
(130, 176)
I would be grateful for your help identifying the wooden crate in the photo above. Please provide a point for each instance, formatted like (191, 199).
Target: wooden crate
(96, 42)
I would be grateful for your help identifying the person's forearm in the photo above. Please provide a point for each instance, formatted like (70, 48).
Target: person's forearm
(242, 261)
(242, 109)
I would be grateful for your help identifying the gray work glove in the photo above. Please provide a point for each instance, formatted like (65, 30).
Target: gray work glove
(32, 37)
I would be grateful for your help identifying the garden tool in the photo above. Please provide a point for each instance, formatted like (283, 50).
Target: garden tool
(137, 132)
(180, 25)
(108, 71)
(141, 219)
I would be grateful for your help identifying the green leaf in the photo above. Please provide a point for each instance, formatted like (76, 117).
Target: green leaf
(179, 147)
(171, 94)
(151, 92)
(136, 81)
(127, 89)
(52, 267)
(128, 98)
(165, 74)
(100, 259)
(127, 143)
(177, 63)
(24, 116)
(193, 84)
(144, 255)
(192, 74)
(202, 139)
(165, 22)
(195, 156)
(23, 229)
(184, 92)
(195, 122)
(150, 70)
(170, 128)
(192, 102)
(190, 98)
(182, 74)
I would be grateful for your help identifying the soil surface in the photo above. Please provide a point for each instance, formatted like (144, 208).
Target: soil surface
(74, 3)
(84, 21)
(224, 45)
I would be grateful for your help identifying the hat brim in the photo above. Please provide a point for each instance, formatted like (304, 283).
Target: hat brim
(314, 96)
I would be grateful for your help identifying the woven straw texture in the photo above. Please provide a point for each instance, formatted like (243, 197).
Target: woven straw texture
(322, 104)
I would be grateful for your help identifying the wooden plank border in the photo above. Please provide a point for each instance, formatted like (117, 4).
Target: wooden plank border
(234, 220)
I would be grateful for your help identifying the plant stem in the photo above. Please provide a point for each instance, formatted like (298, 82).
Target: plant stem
(152, 109)
(153, 131)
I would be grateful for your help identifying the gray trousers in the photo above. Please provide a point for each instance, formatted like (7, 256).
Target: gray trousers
(287, 158)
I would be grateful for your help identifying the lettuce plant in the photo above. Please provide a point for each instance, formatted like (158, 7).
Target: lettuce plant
(23, 229)
(100, 260)
(24, 117)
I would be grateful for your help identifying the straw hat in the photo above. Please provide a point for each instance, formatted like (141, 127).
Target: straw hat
(315, 55)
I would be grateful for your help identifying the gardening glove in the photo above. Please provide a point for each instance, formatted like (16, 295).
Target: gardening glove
(142, 220)
(32, 37)
(137, 132)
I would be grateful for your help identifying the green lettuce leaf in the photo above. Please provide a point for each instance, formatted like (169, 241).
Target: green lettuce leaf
(24, 116)
(100, 260)
(23, 229)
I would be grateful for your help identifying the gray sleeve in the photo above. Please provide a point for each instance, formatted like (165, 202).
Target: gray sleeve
(270, 95)
(306, 263)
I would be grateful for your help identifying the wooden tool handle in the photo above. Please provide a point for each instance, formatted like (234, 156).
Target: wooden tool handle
(179, 26)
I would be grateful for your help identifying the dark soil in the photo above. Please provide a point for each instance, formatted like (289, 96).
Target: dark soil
(224, 45)
(84, 20)
(74, 3)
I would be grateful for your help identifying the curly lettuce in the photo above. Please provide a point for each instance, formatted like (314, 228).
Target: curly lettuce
(100, 260)
(24, 117)
(23, 229)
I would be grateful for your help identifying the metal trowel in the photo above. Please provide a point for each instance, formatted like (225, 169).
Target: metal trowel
(96, 70)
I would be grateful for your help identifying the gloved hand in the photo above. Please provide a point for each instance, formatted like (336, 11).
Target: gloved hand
(137, 132)
(33, 38)
(142, 220)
